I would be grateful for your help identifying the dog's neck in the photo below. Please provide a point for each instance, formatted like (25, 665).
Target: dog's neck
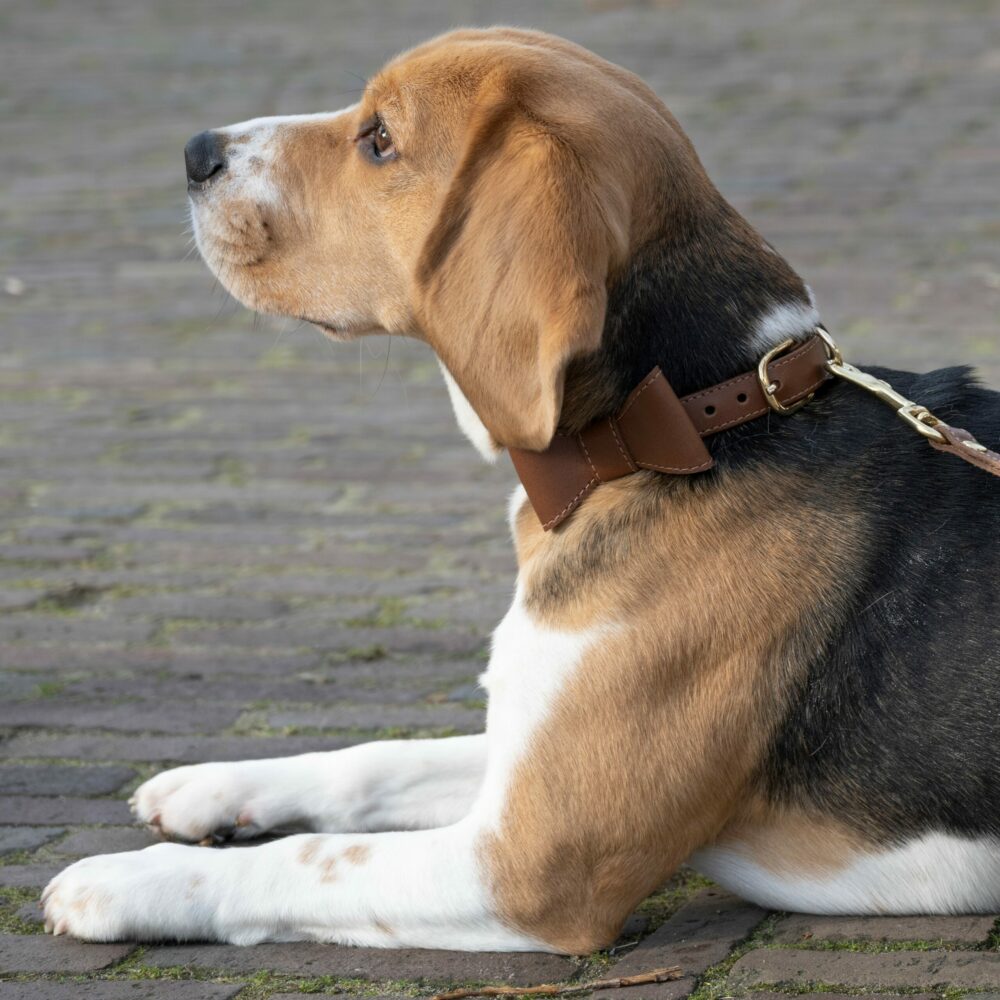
(704, 300)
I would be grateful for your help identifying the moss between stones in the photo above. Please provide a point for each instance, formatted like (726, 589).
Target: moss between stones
(668, 900)
(10, 922)
(992, 942)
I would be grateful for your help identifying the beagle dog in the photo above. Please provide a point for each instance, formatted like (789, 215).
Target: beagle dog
(782, 666)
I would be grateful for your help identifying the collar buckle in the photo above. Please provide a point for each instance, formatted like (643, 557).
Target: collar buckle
(770, 388)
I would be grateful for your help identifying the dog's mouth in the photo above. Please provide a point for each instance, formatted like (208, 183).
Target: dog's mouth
(328, 328)
(333, 331)
(196, 188)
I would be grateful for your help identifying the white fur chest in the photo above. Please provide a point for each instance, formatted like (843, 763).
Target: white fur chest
(530, 667)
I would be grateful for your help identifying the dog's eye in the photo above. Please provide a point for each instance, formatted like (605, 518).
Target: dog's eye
(375, 140)
(381, 141)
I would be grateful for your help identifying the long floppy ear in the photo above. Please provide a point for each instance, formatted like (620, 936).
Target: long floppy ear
(512, 281)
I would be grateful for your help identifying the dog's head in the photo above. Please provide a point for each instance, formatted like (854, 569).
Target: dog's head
(481, 196)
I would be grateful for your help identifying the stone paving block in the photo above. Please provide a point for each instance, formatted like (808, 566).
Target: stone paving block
(28, 876)
(43, 953)
(339, 996)
(671, 990)
(18, 600)
(338, 639)
(27, 810)
(375, 670)
(101, 989)
(699, 935)
(56, 656)
(801, 928)
(825, 995)
(177, 659)
(180, 749)
(55, 713)
(32, 912)
(62, 779)
(106, 840)
(465, 720)
(206, 607)
(891, 969)
(222, 692)
(513, 968)
(19, 687)
(44, 553)
(26, 838)
(42, 627)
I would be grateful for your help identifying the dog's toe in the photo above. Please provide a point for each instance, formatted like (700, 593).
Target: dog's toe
(199, 802)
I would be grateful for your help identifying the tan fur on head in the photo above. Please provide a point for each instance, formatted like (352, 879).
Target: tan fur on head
(524, 173)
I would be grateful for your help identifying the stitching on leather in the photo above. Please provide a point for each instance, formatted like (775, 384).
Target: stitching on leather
(558, 517)
(736, 420)
(794, 356)
(671, 468)
(650, 379)
(629, 461)
(590, 461)
(719, 389)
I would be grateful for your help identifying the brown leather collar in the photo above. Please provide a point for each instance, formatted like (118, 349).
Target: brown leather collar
(656, 430)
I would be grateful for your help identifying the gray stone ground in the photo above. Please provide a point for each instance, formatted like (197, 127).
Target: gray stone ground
(225, 538)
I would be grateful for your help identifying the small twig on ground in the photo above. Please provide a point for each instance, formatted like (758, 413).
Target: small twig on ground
(554, 990)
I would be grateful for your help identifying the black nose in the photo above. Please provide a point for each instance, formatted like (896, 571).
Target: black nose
(204, 156)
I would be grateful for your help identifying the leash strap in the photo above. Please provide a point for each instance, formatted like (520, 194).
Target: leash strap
(963, 445)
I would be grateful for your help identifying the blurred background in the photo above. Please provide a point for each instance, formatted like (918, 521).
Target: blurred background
(222, 536)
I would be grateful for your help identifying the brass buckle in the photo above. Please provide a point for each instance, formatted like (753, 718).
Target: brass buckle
(770, 388)
(918, 417)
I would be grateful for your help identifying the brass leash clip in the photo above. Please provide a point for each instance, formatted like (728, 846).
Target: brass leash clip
(918, 417)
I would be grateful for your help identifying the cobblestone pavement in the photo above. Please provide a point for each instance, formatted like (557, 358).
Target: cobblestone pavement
(225, 538)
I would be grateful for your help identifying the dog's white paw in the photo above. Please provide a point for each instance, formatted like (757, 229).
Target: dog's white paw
(218, 801)
(162, 892)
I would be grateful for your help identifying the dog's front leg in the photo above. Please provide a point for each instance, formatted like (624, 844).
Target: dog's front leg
(415, 889)
(387, 785)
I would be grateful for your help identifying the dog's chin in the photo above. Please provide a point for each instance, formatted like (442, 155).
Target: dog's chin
(234, 276)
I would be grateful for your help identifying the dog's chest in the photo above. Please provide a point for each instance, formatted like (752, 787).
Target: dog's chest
(531, 665)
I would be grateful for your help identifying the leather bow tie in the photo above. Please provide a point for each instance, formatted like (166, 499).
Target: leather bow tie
(656, 430)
